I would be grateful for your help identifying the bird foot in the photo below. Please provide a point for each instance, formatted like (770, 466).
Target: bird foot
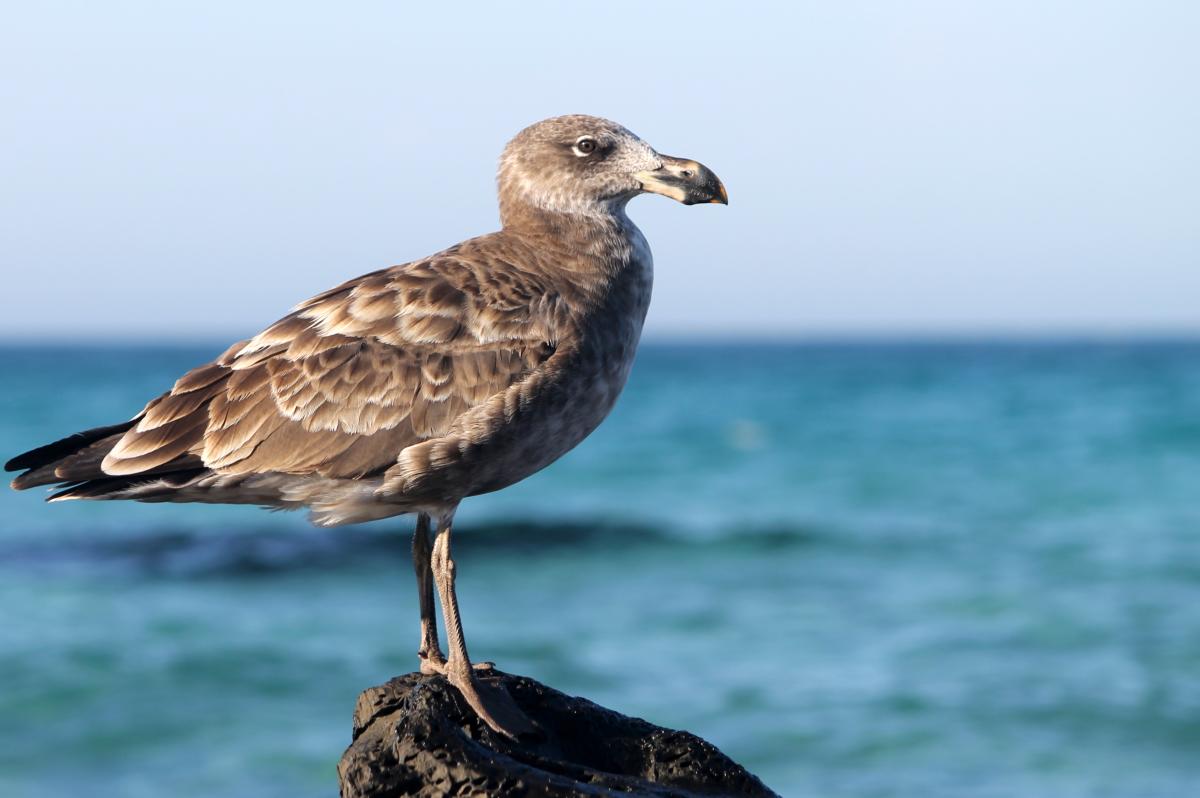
(491, 702)
(435, 664)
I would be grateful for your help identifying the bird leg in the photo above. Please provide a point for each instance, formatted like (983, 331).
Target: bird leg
(491, 703)
(433, 661)
(430, 653)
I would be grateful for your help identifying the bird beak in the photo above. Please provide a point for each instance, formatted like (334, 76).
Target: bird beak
(684, 181)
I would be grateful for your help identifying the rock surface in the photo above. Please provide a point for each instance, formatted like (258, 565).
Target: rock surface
(415, 736)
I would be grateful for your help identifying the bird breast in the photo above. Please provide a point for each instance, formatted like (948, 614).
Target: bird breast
(583, 382)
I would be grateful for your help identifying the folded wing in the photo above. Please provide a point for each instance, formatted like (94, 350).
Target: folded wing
(340, 386)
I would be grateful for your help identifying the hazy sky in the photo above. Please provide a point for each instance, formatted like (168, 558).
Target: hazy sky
(193, 169)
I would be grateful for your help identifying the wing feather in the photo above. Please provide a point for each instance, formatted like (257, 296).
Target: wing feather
(349, 379)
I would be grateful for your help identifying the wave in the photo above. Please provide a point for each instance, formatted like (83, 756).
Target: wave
(249, 551)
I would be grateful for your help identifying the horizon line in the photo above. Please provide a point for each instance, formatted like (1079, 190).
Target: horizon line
(716, 337)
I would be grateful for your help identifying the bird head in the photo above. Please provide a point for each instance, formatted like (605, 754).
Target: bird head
(588, 165)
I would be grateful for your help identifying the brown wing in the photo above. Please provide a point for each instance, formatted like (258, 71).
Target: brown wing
(344, 383)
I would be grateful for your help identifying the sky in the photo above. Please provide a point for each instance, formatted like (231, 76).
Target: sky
(192, 170)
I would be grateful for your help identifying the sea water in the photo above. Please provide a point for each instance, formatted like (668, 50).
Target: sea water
(961, 569)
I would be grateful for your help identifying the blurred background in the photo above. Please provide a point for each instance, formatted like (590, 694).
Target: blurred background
(901, 498)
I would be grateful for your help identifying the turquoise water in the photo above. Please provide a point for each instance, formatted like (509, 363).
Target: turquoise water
(862, 570)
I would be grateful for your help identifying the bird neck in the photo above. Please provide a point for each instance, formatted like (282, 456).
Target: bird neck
(602, 234)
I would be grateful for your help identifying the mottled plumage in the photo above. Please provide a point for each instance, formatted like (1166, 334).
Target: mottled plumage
(413, 387)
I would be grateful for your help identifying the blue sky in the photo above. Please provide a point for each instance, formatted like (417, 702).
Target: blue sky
(191, 170)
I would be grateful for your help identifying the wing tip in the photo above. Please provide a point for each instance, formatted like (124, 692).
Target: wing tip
(20, 462)
(48, 454)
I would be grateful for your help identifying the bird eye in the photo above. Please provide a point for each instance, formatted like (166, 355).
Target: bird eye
(585, 146)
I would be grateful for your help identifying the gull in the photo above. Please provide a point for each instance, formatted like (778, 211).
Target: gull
(408, 389)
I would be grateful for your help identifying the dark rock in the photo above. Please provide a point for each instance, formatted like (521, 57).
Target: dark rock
(415, 736)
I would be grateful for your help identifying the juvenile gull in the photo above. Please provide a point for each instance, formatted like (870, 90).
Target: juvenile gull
(410, 388)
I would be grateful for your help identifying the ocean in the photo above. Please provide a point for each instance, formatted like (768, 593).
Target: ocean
(861, 569)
